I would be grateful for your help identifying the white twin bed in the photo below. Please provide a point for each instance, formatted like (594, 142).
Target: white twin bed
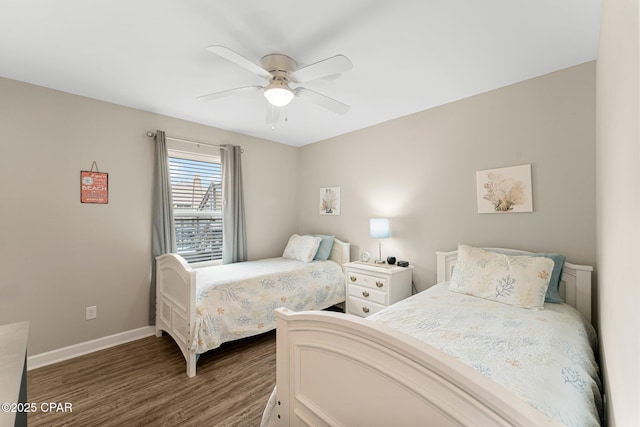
(445, 358)
(201, 308)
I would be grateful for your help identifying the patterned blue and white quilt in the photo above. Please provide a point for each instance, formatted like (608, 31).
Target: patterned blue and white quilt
(238, 300)
(544, 356)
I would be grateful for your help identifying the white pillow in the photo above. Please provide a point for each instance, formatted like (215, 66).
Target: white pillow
(520, 281)
(302, 248)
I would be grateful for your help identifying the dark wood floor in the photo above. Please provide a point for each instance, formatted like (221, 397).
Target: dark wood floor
(144, 383)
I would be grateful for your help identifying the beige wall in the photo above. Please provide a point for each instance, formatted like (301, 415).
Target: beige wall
(58, 256)
(618, 207)
(419, 171)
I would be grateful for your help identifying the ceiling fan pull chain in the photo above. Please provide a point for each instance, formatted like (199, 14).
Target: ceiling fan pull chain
(272, 111)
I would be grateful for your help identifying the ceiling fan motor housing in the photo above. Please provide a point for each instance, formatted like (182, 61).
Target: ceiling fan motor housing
(280, 66)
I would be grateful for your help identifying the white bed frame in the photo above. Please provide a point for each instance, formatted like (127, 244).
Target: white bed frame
(334, 369)
(176, 298)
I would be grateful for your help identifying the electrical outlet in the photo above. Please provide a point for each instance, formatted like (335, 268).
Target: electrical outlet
(91, 312)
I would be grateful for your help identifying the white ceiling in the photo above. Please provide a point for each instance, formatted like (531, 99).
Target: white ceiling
(408, 55)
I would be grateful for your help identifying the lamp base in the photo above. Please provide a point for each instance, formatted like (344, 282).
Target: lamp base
(380, 260)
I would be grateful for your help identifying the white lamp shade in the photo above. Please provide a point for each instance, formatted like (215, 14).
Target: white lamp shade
(278, 96)
(379, 228)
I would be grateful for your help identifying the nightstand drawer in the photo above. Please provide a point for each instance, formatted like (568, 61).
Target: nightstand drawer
(363, 308)
(368, 281)
(368, 294)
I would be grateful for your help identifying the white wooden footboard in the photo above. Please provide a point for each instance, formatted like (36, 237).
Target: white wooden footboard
(335, 369)
(176, 303)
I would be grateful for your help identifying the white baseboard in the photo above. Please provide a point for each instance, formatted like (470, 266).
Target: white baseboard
(54, 356)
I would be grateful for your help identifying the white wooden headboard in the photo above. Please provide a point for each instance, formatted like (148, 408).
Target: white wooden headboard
(340, 252)
(575, 285)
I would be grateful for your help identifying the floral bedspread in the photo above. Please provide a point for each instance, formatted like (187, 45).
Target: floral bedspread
(238, 300)
(544, 356)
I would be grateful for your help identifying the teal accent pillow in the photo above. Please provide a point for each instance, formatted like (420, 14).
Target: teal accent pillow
(552, 294)
(324, 250)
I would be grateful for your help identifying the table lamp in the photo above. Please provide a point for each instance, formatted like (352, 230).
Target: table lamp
(379, 229)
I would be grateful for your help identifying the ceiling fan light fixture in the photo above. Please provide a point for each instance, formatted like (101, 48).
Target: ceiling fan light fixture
(278, 96)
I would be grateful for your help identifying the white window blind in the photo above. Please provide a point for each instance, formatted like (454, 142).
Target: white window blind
(196, 186)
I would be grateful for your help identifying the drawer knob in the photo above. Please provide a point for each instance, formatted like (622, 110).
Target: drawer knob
(365, 309)
(379, 284)
(353, 278)
(365, 294)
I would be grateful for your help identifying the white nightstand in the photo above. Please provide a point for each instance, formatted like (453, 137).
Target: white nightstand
(371, 287)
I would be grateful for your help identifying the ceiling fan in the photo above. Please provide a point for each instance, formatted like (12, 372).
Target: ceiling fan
(281, 71)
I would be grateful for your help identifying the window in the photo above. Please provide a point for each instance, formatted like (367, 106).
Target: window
(196, 186)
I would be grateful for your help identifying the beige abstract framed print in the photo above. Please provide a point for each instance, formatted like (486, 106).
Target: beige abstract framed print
(505, 190)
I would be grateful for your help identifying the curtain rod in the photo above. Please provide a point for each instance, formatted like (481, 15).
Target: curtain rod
(188, 141)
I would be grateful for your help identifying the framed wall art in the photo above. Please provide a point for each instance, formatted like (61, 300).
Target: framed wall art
(330, 201)
(505, 190)
(94, 186)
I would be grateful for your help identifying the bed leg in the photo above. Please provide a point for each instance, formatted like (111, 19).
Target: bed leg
(191, 365)
(158, 332)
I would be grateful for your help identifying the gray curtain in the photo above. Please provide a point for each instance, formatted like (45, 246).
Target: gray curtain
(234, 237)
(163, 234)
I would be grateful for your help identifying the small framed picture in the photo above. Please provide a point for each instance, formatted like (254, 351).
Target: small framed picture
(94, 187)
(330, 201)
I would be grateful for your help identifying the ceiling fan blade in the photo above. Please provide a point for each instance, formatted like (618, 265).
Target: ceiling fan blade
(273, 115)
(327, 67)
(228, 92)
(232, 56)
(322, 100)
